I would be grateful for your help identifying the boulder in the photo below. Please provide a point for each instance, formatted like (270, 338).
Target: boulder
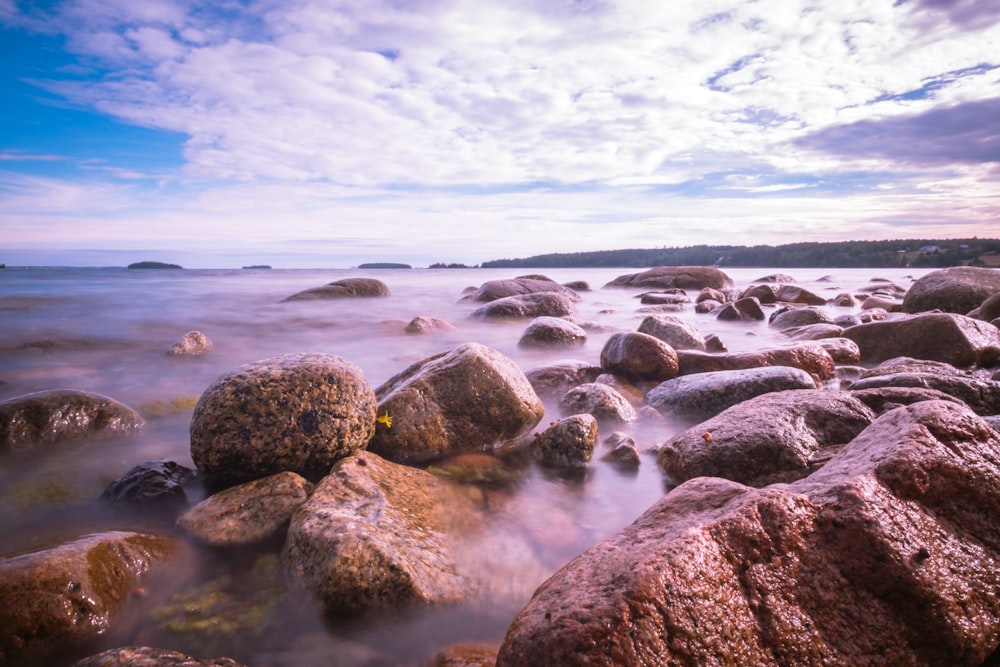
(471, 398)
(674, 331)
(464, 655)
(808, 356)
(989, 310)
(775, 278)
(152, 487)
(343, 289)
(788, 318)
(782, 433)
(958, 289)
(981, 395)
(884, 399)
(684, 277)
(147, 656)
(767, 294)
(817, 331)
(552, 332)
(947, 337)
(600, 400)
(61, 600)
(568, 443)
(296, 412)
(493, 290)
(639, 357)
(747, 308)
(669, 298)
(796, 294)
(424, 325)
(191, 344)
(537, 304)
(556, 379)
(61, 416)
(248, 514)
(842, 350)
(887, 556)
(703, 395)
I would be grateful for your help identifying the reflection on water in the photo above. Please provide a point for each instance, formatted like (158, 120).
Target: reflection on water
(107, 331)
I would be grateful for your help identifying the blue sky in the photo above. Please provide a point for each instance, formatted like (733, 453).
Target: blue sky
(303, 133)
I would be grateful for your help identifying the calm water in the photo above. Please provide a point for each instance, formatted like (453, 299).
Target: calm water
(107, 331)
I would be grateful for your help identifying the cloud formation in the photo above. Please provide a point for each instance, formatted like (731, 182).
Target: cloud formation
(443, 100)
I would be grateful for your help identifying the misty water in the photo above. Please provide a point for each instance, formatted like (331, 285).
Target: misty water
(108, 330)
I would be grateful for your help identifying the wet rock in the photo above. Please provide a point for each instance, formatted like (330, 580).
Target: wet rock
(674, 331)
(471, 398)
(537, 304)
(886, 556)
(684, 277)
(153, 486)
(62, 599)
(982, 396)
(639, 357)
(465, 655)
(715, 344)
(989, 310)
(747, 308)
(884, 399)
(958, 289)
(376, 534)
(633, 393)
(601, 401)
(552, 332)
(808, 356)
(766, 294)
(61, 416)
(710, 294)
(426, 325)
(147, 656)
(775, 278)
(703, 395)
(622, 450)
(567, 443)
(494, 290)
(671, 297)
(796, 294)
(788, 318)
(954, 339)
(251, 513)
(842, 350)
(475, 468)
(344, 289)
(296, 412)
(785, 432)
(191, 344)
(845, 300)
(814, 332)
(578, 285)
(556, 379)
(883, 303)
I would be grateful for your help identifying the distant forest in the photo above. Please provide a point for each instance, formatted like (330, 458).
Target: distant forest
(861, 254)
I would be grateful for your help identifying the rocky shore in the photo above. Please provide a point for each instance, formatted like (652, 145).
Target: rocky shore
(835, 499)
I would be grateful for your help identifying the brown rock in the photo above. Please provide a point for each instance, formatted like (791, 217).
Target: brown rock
(63, 599)
(341, 289)
(552, 332)
(471, 398)
(556, 379)
(499, 289)
(639, 357)
(684, 277)
(747, 308)
(887, 556)
(777, 432)
(958, 289)
(192, 344)
(537, 304)
(788, 318)
(61, 416)
(465, 655)
(146, 656)
(602, 401)
(955, 339)
(808, 356)
(296, 412)
(674, 331)
(567, 443)
(795, 294)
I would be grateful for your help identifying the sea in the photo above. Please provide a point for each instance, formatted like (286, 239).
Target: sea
(107, 330)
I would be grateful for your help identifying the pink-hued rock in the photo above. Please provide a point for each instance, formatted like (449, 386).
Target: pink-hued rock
(888, 555)
(500, 289)
(684, 277)
(957, 289)
(947, 337)
(809, 357)
(639, 357)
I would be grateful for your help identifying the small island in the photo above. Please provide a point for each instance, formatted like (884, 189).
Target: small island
(384, 265)
(154, 265)
(258, 266)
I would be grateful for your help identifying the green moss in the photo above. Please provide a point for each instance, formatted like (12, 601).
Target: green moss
(156, 409)
(35, 493)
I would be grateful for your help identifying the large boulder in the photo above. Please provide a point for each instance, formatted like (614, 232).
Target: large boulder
(684, 277)
(60, 416)
(344, 289)
(248, 514)
(62, 599)
(296, 412)
(887, 556)
(379, 535)
(639, 357)
(785, 433)
(947, 337)
(704, 395)
(521, 306)
(500, 289)
(471, 398)
(809, 357)
(958, 289)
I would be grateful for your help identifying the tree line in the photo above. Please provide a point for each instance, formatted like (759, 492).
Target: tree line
(840, 254)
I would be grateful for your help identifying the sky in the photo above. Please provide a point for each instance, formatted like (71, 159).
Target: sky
(326, 133)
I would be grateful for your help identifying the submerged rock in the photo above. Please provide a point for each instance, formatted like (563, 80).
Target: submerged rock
(157, 486)
(684, 277)
(63, 599)
(536, 304)
(603, 401)
(887, 556)
(471, 398)
(60, 416)
(567, 443)
(425, 325)
(493, 290)
(342, 289)
(552, 332)
(809, 357)
(296, 412)
(192, 344)
(556, 379)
